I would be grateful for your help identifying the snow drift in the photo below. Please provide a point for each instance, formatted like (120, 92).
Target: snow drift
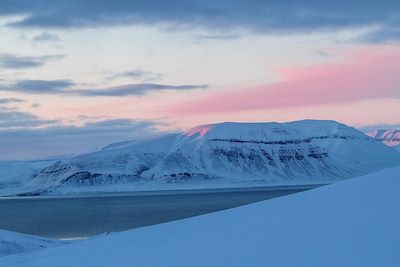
(12, 243)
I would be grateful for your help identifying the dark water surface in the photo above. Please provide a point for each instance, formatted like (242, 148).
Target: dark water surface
(87, 215)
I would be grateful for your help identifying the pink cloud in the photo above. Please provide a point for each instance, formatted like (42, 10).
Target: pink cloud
(369, 74)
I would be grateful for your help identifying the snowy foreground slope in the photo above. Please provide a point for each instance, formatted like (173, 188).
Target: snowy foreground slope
(298, 152)
(11, 243)
(351, 223)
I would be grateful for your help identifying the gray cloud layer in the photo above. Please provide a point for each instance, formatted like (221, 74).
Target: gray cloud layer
(4, 101)
(38, 86)
(64, 87)
(138, 74)
(136, 89)
(24, 135)
(10, 118)
(46, 37)
(253, 15)
(33, 143)
(9, 61)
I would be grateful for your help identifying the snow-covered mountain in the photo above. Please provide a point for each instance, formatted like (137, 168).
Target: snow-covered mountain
(307, 151)
(388, 137)
(17, 173)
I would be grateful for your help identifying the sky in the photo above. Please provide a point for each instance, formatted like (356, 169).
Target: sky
(77, 75)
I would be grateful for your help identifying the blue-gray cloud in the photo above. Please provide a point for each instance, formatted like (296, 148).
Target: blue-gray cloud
(11, 100)
(254, 15)
(389, 33)
(218, 36)
(10, 118)
(46, 37)
(136, 89)
(34, 143)
(9, 61)
(65, 87)
(38, 86)
(138, 74)
(35, 105)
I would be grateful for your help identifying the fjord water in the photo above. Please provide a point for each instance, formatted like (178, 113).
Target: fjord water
(88, 215)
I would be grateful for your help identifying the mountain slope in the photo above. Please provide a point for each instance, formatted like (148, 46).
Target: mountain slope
(274, 153)
(116, 163)
(351, 223)
(14, 174)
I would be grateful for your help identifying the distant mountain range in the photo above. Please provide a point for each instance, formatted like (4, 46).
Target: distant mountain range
(388, 137)
(299, 152)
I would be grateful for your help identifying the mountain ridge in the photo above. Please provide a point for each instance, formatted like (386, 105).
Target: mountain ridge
(271, 153)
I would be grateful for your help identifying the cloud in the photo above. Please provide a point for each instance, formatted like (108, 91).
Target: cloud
(9, 61)
(385, 34)
(38, 86)
(35, 105)
(65, 87)
(4, 101)
(136, 89)
(223, 36)
(321, 53)
(258, 16)
(17, 119)
(369, 74)
(24, 135)
(34, 143)
(142, 75)
(46, 37)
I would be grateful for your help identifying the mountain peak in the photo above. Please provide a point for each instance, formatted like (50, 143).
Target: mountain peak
(271, 131)
(390, 137)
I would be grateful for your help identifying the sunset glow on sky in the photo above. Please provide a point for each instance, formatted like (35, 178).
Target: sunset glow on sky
(93, 73)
